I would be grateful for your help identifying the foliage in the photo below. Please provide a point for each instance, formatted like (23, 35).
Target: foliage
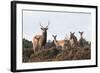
(52, 53)
(27, 44)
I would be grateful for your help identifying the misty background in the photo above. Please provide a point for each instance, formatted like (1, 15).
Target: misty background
(61, 23)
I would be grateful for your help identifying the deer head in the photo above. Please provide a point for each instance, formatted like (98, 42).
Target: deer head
(44, 28)
(72, 35)
(81, 34)
(54, 36)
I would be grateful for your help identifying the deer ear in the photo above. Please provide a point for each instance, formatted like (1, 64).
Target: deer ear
(79, 31)
(73, 32)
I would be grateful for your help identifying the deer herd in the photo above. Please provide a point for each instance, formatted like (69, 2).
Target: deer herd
(39, 41)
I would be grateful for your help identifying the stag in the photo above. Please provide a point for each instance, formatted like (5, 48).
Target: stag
(39, 41)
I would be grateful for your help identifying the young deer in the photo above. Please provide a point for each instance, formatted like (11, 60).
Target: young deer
(39, 41)
(59, 43)
(81, 42)
(73, 39)
(36, 45)
(81, 34)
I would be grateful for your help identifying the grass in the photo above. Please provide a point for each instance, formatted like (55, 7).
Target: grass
(57, 54)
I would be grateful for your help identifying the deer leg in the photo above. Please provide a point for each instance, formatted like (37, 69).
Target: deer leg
(34, 49)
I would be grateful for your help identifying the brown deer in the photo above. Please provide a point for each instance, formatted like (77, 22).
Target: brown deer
(73, 40)
(81, 40)
(81, 34)
(39, 41)
(67, 42)
(59, 43)
(35, 41)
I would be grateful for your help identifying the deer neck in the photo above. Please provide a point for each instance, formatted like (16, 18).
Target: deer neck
(81, 37)
(74, 39)
(44, 37)
(55, 41)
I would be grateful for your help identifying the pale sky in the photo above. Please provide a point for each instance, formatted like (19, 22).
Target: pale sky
(61, 23)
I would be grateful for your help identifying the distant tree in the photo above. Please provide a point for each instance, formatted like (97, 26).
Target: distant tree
(27, 43)
(83, 42)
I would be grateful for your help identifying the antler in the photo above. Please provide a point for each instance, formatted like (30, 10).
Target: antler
(41, 25)
(48, 24)
(54, 35)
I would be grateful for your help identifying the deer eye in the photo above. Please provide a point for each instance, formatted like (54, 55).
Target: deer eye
(41, 28)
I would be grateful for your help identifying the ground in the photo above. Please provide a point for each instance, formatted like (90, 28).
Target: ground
(57, 54)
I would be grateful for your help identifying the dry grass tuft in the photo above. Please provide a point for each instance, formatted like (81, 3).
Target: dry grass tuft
(57, 54)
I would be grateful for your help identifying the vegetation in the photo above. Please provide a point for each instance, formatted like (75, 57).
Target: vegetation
(27, 44)
(51, 53)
